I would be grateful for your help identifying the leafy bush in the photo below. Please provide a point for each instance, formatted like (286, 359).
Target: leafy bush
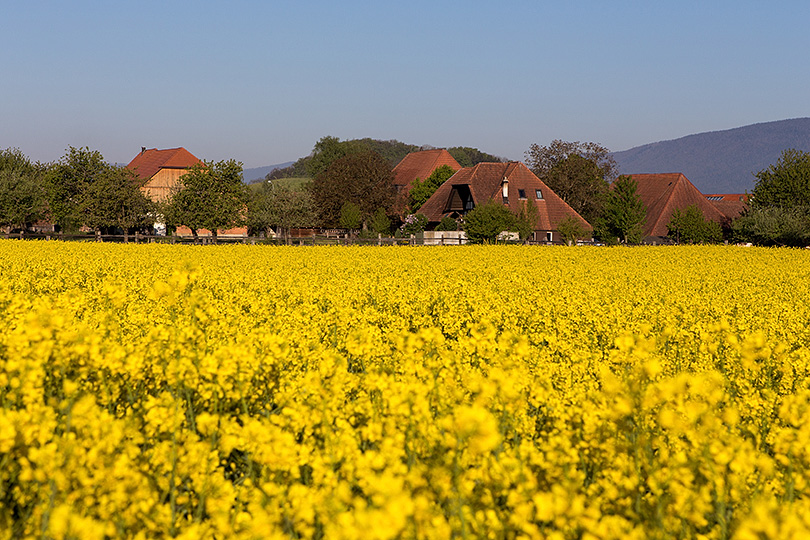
(689, 226)
(484, 223)
(773, 226)
(447, 224)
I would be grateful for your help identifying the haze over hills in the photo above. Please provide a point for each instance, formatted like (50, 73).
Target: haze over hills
(719, 161)
(258, 173)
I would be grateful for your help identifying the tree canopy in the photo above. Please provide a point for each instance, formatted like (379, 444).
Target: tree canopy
(209, 196)
(785, 184)
(580, 183)
(624, 213)
(82, 189)
(580, 173)
(364, 179)
(22, 190)
(275, 206)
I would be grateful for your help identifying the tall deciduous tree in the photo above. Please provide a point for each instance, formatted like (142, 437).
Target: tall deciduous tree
(624, 213)
(114, 200)
(281, 208)
(364, 179)
(67, 184)
(209, 196)
(22, 191)
(328, 150)
(578, 172)
(785, 184)
(85, 190)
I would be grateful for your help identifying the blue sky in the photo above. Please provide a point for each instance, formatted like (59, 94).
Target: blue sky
(261, 82)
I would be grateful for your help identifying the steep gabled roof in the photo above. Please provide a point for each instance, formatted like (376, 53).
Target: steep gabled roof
(485, 182)
(662, 194)
(421, 165)
(149, 162)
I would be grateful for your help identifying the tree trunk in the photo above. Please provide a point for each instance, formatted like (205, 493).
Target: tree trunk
(214, 236)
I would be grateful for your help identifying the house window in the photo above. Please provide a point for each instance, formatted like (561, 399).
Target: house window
(505, 199)
(549, 236)
(538, 193)
(522, 194)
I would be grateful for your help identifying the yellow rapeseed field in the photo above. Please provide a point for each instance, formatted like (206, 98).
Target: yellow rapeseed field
(152, 391)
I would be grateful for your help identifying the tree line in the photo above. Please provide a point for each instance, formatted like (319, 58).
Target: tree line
(349, 184)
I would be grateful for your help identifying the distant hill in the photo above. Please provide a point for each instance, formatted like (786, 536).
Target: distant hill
(719, 161)
(258, 173)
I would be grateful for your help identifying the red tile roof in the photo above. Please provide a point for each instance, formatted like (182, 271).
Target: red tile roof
(149, 162)
(485, 181)
(663, 193)
(421, 165)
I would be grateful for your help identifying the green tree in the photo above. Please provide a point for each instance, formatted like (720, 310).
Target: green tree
(785, 184)
(22, 191)
(67, 184)
(114, 200)
(485, 222)
(624, 213)
(274, 206)
(526, 219)
(209, 196)
(542, 159)
(422, 189)
(350, 216)
(690, 226)
(329, 149)
(447, 224)
(580, 173)
(571, 230)
(380, 223)
(364, 179)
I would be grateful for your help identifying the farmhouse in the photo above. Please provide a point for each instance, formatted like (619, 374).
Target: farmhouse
(662, 194)
(511, 183)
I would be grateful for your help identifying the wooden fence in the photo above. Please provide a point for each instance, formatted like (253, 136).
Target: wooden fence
(311, 240)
